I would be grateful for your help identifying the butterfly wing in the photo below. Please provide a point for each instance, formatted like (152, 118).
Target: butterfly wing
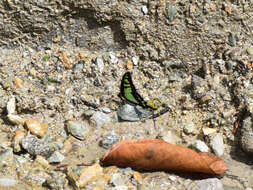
(129, 93)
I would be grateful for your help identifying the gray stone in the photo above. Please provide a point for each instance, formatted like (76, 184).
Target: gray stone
(77, 129)
(57, 180)
(6, 156)
(56, 157)
(113, 58)
(106, 110)
(128, 112)
(100, 118)
(100, 64)
(36, 146)
(109, 139)
(201, 146)
(171, 12)
(246, 139)
(216, 142)
(209, 184)
(250, 51)
(144, 9)
(189, 128)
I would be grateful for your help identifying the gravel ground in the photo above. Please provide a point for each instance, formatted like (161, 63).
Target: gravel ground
(59, 98)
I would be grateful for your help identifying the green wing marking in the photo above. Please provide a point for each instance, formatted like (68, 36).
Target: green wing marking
(129, 93)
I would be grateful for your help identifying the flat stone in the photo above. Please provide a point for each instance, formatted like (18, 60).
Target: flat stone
(216, 142)
(100, 118)
(38, 129)
(128, 112)
(201, 146)
(77, 129)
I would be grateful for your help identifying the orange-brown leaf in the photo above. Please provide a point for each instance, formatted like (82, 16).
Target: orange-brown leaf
(154, 154)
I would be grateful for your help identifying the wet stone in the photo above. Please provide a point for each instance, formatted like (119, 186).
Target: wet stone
(77, 129)
(108, 140)
(36, 146)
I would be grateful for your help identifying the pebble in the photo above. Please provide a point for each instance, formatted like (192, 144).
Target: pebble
(40, 160)
(100, 64)
(128, 112)
(6, 156)
(17, 82)
(118, 180)
(100, 118)
(7, 182)
(57, 181)
(250, 51)
(106, 110)
(85, 176)
(19, 135)
(246, 138)
(109, 139)
(56, 157)
(135, 61)
(15, 119)
(189, 128)
(201, 146)
(113, 58)
(216, 142)
(36, 128)
(77, 129)
(11, 105)
(171, 12)
(36, 146)
(170, 137)
(209, 184)
(207, 130)
(144, 9)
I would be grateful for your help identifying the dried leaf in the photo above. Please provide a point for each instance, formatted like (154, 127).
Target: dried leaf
(154, 154)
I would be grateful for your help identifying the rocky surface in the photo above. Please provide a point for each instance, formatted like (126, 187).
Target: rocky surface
(61, 64)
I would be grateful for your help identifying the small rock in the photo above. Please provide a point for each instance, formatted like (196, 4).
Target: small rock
(170, 137)
(128, 112)
(85, 176)
(171, 12)
(77, 129)
(11, 105)
(205, 99)
(228, 65)
(135, 61)
(6, 156)
(246, 139)
(100, 64)
(88, 113)
(36, 128)
(57, 181)
(144, 9)
(109, 140)
(216, 142)
(7, 182)
(17, 82)
(56, 157)
(106, 110)
(19, 135)
(36, 146)
(250, 51)
(118, 180)
(15, 119)
(209, 184)
(201, 146)
(40, 160)
(113, 58)
(207, 130)
(189, 128)
(100, 118)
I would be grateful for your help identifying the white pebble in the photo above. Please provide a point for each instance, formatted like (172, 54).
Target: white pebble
(11, 105)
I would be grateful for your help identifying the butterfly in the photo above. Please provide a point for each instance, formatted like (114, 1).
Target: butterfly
(129, 93)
